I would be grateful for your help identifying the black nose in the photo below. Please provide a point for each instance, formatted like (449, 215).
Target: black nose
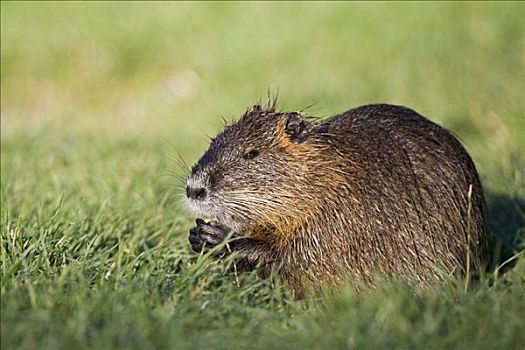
(196, 193)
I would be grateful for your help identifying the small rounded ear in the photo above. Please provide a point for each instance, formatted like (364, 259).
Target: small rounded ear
(296, 127)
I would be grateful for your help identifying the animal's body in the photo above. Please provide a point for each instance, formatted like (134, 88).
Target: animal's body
(378, 189)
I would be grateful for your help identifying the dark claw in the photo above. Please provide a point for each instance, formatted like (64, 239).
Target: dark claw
(207, 235)
(211, 240)
(194, 239)
(200, 222)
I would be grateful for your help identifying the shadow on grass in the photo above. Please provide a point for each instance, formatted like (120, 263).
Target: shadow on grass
(505, 227)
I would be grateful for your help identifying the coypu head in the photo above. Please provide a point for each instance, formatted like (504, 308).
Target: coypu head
(255, 171)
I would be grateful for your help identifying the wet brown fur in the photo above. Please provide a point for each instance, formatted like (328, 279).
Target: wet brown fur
(377, 189)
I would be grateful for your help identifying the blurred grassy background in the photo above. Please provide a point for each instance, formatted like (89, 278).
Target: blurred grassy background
(171, 69)
(97, 98)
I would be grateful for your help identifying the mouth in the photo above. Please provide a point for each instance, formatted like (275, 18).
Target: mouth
(209, 212)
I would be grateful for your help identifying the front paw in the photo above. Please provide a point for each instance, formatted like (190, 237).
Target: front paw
(207, 235)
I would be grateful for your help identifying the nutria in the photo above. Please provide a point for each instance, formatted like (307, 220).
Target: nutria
(378, 189)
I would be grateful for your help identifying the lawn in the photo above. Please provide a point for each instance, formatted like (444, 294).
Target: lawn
(99, 101)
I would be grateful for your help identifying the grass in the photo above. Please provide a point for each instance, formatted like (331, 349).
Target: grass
(99, 98)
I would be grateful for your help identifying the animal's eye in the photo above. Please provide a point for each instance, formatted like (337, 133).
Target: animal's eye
(250, 153)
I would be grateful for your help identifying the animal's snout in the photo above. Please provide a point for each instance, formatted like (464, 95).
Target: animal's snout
(197, 193)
